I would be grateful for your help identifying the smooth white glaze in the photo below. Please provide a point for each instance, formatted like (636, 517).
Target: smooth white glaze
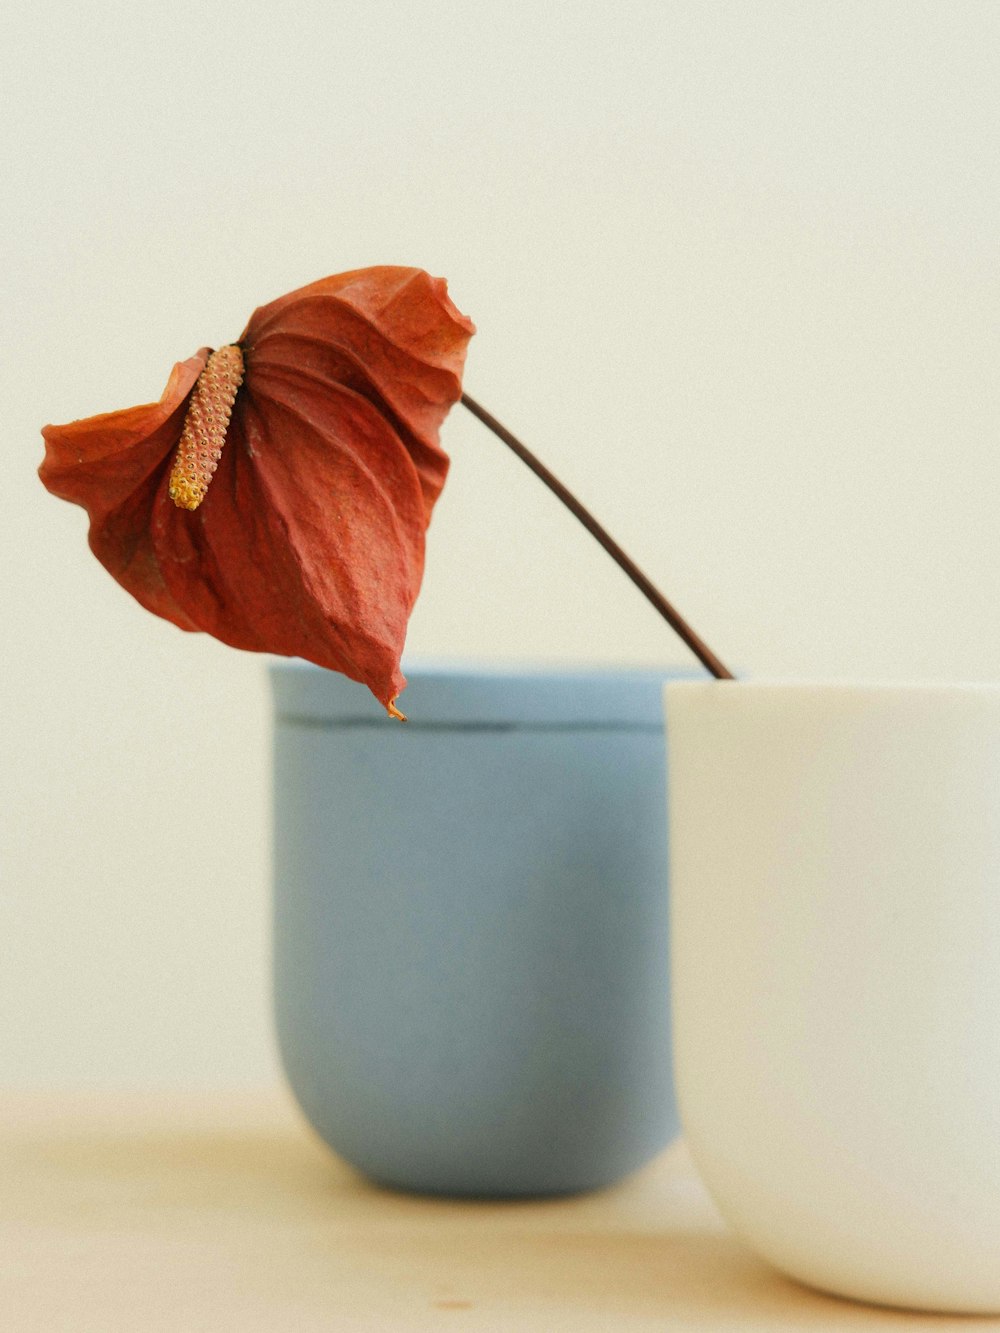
(835, 882)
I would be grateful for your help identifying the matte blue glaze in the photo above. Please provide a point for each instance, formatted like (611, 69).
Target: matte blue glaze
(470, 925)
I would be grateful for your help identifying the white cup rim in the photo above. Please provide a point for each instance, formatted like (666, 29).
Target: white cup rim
(800, 685)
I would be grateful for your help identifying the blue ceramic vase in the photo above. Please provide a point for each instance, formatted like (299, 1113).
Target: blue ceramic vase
(470, 925)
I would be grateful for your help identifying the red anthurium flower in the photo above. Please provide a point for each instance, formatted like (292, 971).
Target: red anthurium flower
(277, 495)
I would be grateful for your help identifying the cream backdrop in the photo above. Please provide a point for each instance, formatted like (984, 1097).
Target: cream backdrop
(734, 268)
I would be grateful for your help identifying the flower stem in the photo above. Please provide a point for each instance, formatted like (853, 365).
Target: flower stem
(648, 590)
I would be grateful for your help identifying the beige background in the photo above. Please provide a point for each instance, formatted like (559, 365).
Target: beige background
(734, 268)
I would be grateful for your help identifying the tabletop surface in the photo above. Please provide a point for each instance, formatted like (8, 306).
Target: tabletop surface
(219, 1212)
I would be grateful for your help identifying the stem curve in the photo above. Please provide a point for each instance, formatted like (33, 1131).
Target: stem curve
(648, 589)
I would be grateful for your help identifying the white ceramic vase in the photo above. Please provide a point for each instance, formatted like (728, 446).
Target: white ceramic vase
(835, 900)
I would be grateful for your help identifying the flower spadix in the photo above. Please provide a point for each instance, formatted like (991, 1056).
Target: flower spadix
(278, 494)
(205, 427)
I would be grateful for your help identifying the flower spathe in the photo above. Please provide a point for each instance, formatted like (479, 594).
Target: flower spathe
(277, 495)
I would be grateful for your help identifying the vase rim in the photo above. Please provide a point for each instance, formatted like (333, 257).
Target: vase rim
(452, 692)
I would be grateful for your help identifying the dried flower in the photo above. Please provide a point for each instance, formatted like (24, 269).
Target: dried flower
(277, 495)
